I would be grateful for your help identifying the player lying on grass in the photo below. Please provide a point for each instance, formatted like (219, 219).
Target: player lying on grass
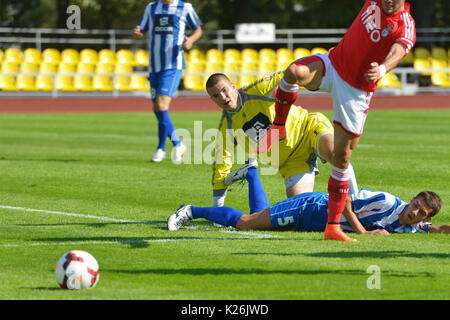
(366, 212)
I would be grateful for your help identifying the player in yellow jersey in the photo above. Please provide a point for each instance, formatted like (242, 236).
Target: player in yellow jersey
(247, 115)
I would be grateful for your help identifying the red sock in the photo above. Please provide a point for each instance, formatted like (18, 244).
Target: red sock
(337, 195)
(285, 96)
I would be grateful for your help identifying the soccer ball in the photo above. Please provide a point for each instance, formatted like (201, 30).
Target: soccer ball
(77, 269)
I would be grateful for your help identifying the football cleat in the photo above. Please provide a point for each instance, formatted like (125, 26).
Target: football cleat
(239, 175)
(159, 155)
(179, 218)
(177, 152)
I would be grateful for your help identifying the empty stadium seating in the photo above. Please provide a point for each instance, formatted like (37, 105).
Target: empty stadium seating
(106, 70)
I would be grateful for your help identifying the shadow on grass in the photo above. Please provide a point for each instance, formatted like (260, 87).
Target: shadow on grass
(357, 254)
(254, 271)
(137, 242)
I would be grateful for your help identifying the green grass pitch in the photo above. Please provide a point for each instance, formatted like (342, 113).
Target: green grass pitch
(96, 167)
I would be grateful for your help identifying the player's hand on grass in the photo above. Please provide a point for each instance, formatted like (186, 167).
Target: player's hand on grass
(377, 231)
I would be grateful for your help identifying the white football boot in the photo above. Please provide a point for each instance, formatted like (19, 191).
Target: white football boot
(159, 155)
(177, 152)
(179, 218)
(239, 175)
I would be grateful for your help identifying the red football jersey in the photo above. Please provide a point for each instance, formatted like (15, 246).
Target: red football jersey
(369, 39)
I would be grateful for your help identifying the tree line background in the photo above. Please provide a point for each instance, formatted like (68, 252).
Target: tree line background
(215, 14)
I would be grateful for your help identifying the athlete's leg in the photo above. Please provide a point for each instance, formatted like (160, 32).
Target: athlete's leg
(257, 198)
(165, 124)
(225, 216)
(338, 183)
(305, 72)
(325, 151)
(256, 221)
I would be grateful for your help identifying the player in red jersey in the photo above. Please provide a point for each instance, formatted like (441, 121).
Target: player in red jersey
(380, 36)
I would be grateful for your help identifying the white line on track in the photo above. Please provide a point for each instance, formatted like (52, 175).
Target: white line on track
(245, 235)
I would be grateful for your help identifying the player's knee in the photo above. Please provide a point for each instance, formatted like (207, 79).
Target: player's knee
(297, 73)
(341, 160)
(243, 223)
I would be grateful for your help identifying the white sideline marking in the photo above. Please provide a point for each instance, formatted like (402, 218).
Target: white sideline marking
(246, 235)
(70, 214)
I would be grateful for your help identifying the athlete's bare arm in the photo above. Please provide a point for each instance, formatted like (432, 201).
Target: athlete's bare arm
(445, 228)
(396, 53)
(352, 219)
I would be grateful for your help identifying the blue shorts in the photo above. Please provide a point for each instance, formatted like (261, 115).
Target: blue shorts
(165, 82)
(305, 212)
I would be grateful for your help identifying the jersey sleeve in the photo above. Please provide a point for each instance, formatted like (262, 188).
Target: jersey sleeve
(372, 201)
(407, 36)
(222, 155)
(192, 18)
(145, 19)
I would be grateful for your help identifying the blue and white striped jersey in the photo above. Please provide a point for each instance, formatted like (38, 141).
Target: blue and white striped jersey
(381, 210)
(166, 26)
(309, 212)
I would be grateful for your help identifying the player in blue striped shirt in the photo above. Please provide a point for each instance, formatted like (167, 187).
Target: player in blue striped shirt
(165, 22)
(366, 212)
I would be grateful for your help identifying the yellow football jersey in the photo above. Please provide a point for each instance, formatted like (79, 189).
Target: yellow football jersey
(250, 123)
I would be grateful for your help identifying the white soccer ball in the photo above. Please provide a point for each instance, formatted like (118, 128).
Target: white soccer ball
(77, 269)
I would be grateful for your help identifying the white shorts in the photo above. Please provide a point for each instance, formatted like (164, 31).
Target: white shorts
(350, 105)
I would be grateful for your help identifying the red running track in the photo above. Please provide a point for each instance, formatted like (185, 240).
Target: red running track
(189, 104)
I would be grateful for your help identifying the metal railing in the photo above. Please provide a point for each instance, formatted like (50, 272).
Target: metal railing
(407, 88)
(289, 38)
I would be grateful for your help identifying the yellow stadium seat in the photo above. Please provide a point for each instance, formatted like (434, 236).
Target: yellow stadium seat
(231, 67)
(104, 68)
(284, 58)
(389, 80)
(420, 64)
(194, 83)
(103, 83)
(44, 83)
(440, 79)
(26, 83)
(231, 56)
(88, 56)
(47, 67)
(214, 56)
(267, 55)
(7, 83)
(421, 53)
(1, 55)
(141, 58)
(9, 67)
(106, 56)
(70, 56)
(51, 55)
(64, 83)
(66, 67)
(267, 67)
(214, 67)
(409, 58)
(439, 53)
(85, 67)
(125, 56)
(249, 55)
(122, 82)
(32, 55)
(123, 68)
(244, 80)
(318, 50)
(196, 55)
(12, 55)
(83, 83)
(139, 83)
(301, 53)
